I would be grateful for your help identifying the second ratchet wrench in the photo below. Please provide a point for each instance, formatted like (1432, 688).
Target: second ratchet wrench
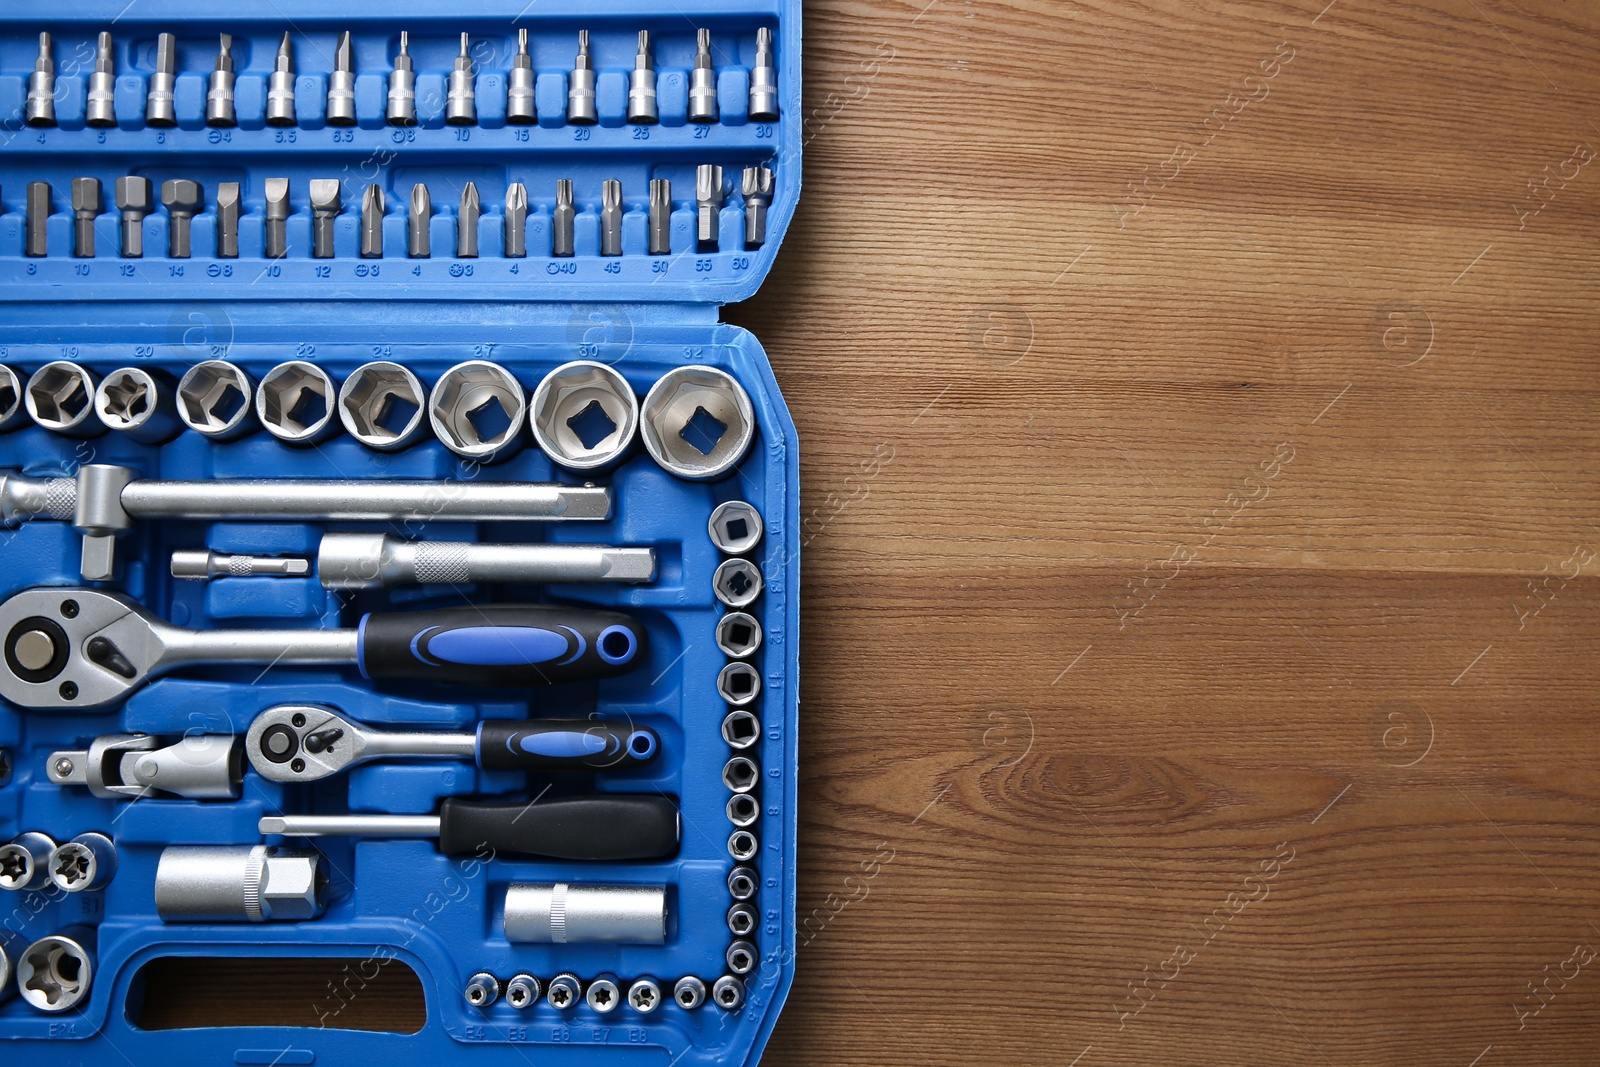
(305, 742)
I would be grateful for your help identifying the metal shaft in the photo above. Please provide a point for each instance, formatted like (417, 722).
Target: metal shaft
(351, 825)
(201, 564)
(370, 561)
(364, 501)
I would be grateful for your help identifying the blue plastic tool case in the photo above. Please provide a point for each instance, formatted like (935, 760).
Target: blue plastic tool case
(399, 902)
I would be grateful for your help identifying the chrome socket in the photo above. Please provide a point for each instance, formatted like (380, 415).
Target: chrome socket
(741, 957)
(703, 81)
(13, 410)
(86, 863)
(603, 994)
(743, 846)
(140, 404)
(737, 583)
(689, 992)
(384, 406)
(54, 973)
(735, 527)
(728, 993)
(214, 399)
(60, 397)
(584, 415)
(644, 995)
(743, 883)
(482, 990)
(478, 409)
(564, 991)
(739, 683)
(740, 774)
(741, 730)
(697, 422)
(743, 810)
(240, 883)
(25, 862)
(742, 919)
(523, 991)
(295, 402)
(567, 914)
(738, 634)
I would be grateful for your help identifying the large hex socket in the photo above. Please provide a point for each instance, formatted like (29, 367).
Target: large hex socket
(697, 422)
(296, 402)
(383, 406)
(214, 400)
(584, 415)
(565, 914)
(240, 883)
(60, 397)
(478, 409)
(55, 972)
(139, 403)
(13, 411)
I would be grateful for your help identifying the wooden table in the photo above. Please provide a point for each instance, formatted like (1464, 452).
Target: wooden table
(1199, 437)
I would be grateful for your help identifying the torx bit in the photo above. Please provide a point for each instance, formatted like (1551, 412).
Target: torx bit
(183, 199)
(764, 80)
(280, 89)
(228, 205)
(41, 107)
(201, 564)
(660, 217)
(520, 107)
(516, 236)
(467, 223)
(403, 86)
(372, 223)
(642, 85)
(100, 107)
(461, 104)
(703, 81)
(325, 208)
(85, 207)
(158, 106)
(342, 85)
(580, 87)
(611, 218)
(38, 213)
(219, 95)
(418, 243)
(757, 187)
(563, 220)
(134, 197)
(708, 200)
(277, 193)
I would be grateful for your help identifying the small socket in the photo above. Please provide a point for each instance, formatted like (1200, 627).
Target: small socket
(295, 402)
(522, 991)
(739, 683)
(644, 996)
(689, 992)
(12, 408)
(743, 883)
(603, 994)
(741, 730)
(728, 992)
(214, 400)
(86, 863)
(735, 527)
(738, 634)
(697, 422)
(55, 972)
(564, 991)
(737, 583)
(60, 397)
(742, 845)
(25, 862)
(383, 405)
(478, 410)
(482, 990)
(138, 403)
(741, 957)
(741, 774)
(743, 810)
(742, 919)
(584, 415)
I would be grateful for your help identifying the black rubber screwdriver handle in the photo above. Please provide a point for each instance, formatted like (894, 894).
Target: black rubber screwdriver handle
(617, 827)
(564, 745)
(500, 644)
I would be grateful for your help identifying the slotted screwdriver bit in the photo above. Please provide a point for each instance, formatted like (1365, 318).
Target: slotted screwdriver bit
(703, 81)
(467, 223)
(563, 220)
(642, 85)
(280, 89)
(342, 85)
(135, 201)
(100, 107)
(403, 86)
(461, 102)
(660, 216)
(85, 207)
(41, 106)
(611, 218)
(219, 94)
(277, 193)
(516, 221)
(158, 105)
(757, 188)
(520, 108)
(372, 223)
(228, 195)
(183, 199)
(325, 208)
(708, 200)
(419, 244)
(38, 212)
(580, 86)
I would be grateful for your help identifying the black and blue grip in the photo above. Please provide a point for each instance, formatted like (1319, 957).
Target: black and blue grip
(564, 745)
(500, 644)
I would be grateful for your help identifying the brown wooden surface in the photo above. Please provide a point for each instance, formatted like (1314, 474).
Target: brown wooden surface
(1324, 406)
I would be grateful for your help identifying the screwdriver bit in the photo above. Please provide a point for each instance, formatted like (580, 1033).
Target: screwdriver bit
(764, 81)
(135, 201)
(611, 218)
(419, 244)
(325, 207)
(158, 106)
(182, 199)
(85, 207)
(228, 197)
(520, 108)
(563, 220)
(642, 85)
(757, 187)
(708, 199)
(516, 221)
(461, 104)
(467, 223)
(660, 217)
(342, 85)
(403, 86)
(219, 95)
(100, 107)
(372, 223)
(277, 193)
(280, 89)
(41, 107)
(580, 87)
(703, 81)
(38, 212)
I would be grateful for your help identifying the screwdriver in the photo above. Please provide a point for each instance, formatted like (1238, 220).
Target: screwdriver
(617, 827)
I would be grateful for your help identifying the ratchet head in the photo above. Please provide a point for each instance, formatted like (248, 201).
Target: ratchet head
(74, 649)
(302, 743)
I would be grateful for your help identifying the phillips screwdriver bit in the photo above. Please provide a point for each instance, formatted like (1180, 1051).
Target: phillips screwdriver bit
(419, 245)
(708, 200)
(764, 81)
(182, 199)
(611, 218)
(642, 85)
(516, 221)
(520, 107)
(277, 193)
(100, 108)
(38, 212)
(325, 207)
(372, 223)
(219, 95)
(280, 89)
(403, 86)
(228, 206)
(85, 207)
(580, 88)
(563, 220)
(660, 217)
(461, 103)
(342, 85)
(467, 223)
(134, 200)
(158, 106)
(757, 187)
(41, 107)
(703, 81)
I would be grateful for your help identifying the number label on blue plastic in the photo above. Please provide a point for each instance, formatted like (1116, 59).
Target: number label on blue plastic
(366, 270)
(764, 131)
(580, 133)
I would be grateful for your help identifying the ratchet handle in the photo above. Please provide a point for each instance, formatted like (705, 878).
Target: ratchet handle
(564, 745)
(617, 827)
(500, 644)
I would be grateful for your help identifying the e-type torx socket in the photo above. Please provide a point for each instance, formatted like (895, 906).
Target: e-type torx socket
(708, 201)
(402, 109)
(516, 223)
(580, 86)
(419, 244)
(660, 216)
(461, 102)
(563, 220)
(375, 561)
(470, 211)
(520, 106)
(757, 188)
(277, 194)
(325, 208)
(764, 80)
(159, 107)
(228, 207)
(372, 223)
(41, 105)
(342, 85)
(703, 81)
(642, 107)
(611, 218)
(219, 94)
(280, 88)
(183, 199)
(85, 207)
(135, 199)
(100, 106)
(38, 215)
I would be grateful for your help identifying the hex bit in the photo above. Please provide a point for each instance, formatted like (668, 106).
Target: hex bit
(183, 199)
(461, 103)
(708, 200)
(41, 105)
(85, 207)
(342, 85)
(100, 106)
(757, 188)
(580, 86)
(419, 244)
(159, 108)
(516, 235)
(280, 88)
(38, 214)
(372, 223)
(611, 218)
(563, 220)
(703, 81)
(642, 109)
(467, 217)
(219, 94)
(520, 107)
(325, 208)
(228, 205)
(402, 110)
(660, 217)
(763, 80)
(134, 199)
(277, 193)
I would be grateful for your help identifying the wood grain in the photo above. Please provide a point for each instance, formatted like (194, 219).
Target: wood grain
(1083, 649)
